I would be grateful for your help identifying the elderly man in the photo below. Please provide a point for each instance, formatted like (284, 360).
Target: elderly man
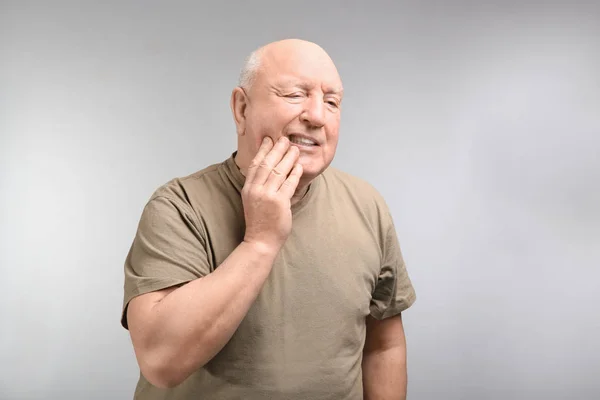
(270, 275)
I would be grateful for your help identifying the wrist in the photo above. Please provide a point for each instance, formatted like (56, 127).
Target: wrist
(261, 249)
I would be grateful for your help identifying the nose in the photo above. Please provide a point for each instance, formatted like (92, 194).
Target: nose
(314, 112)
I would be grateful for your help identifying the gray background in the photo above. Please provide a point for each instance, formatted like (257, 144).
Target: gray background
(478, 121)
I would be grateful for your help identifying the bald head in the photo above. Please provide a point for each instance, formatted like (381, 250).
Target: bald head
(280, 53)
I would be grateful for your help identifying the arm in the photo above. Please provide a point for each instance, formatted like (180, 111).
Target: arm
(384, 360)
(177, 330)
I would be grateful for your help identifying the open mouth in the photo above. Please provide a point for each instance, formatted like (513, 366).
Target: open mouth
(302, 140)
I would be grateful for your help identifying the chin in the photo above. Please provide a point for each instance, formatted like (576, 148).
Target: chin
(312, 165)
(311, 171)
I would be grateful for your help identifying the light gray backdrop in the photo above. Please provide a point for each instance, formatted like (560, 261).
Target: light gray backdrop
(478, 121)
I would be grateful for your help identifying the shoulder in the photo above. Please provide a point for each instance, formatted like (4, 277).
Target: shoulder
(338, 180)
(358, 191)
(184, 191)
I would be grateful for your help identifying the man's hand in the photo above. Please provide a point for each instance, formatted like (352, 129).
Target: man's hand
(271, 181)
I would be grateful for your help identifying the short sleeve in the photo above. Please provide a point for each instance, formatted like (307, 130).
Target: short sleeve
(394, 291)
(169, 249)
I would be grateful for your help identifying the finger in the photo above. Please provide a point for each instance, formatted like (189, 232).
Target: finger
(280, 173)
(263, 150)
(288, 188)
(270, 161)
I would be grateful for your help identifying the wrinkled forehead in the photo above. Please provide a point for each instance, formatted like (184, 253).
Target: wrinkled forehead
(306, 67)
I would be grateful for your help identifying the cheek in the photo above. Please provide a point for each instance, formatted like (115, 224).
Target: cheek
(256, 131)
(259, 135)
(272, 122)
(332, 135)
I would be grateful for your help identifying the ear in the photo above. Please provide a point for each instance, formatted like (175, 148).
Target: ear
(239, 103)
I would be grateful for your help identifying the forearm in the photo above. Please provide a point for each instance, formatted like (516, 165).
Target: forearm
(194, 322)
(384, 374)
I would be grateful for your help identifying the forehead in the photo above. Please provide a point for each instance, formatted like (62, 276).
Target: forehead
(306, 68)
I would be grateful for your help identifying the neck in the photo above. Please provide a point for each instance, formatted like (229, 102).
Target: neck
(300, 192)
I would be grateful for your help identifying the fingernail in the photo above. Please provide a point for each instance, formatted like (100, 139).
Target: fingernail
(265, 140)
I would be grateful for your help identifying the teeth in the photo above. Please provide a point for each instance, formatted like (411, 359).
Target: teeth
(301, 140)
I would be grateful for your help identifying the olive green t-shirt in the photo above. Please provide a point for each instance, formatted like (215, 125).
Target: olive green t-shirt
(303, 336)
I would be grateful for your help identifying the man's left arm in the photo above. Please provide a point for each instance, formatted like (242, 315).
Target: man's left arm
(384, 360)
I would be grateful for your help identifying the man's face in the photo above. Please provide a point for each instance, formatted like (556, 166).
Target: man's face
(298, 94)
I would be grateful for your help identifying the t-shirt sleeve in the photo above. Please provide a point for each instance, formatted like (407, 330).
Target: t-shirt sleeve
(169, 249)
(393, 291)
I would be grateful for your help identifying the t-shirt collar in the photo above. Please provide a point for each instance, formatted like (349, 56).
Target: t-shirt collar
(238, 179)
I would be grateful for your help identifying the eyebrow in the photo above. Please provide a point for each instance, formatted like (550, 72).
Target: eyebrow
(339, 90)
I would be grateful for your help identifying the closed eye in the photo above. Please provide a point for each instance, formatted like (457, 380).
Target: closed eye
(333, 103)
